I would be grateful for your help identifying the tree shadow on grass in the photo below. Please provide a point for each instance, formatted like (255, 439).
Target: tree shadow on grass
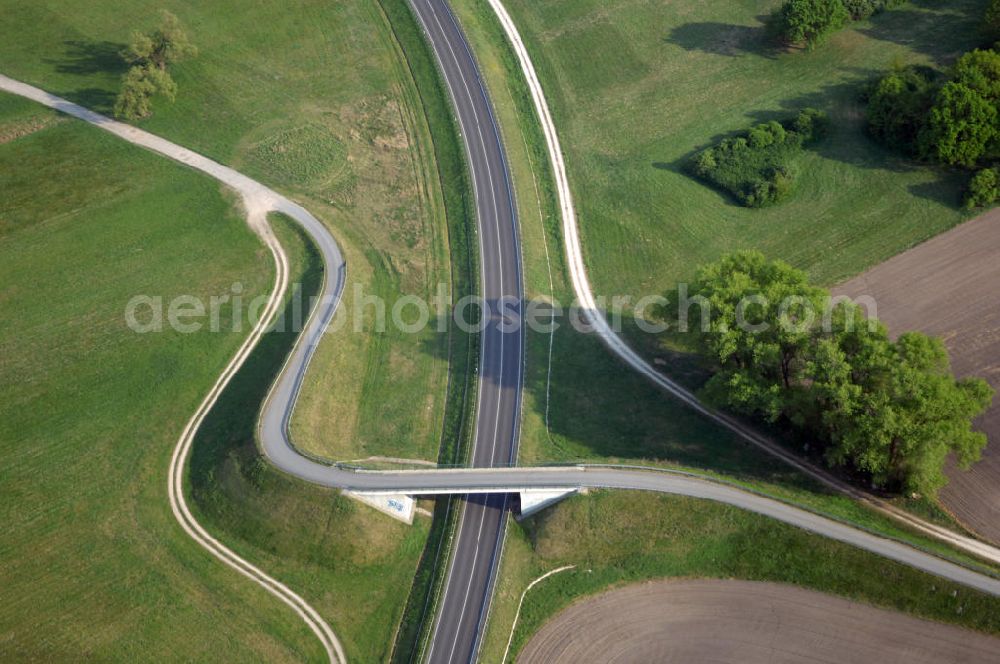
(599, 408)
(930, 27)
(96, 99)
(727, 39)
(946, 188)
(84, 57)
(295, 527)
(847, 140)
(96, 61)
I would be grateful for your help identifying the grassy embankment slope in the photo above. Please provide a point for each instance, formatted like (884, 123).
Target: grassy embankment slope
(313, 99)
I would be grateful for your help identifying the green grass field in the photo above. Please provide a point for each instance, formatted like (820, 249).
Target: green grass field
(314, 99)
(91, 412)
(637, 87)
(94, 565)
(623, 537)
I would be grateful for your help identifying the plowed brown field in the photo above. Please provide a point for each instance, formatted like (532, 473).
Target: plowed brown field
(744, 622)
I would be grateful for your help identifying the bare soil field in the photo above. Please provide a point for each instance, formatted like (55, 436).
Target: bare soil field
(744, 622)
(950, 287)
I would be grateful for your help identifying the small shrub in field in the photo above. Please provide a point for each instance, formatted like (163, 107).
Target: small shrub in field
(811, 21)
(861, 9)
(756, 168)
(811, 125)
(984, 189)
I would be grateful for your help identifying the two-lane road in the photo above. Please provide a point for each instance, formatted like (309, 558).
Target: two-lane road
(481, 524)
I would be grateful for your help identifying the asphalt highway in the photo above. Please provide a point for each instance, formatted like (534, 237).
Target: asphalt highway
(475, 553)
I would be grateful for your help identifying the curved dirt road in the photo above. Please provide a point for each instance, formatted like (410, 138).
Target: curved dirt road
(745, 622)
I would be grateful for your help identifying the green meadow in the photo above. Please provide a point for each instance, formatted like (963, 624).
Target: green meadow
(314, 99)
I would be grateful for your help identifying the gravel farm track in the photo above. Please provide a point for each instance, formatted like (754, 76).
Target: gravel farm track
(947, 287)
(744, 622)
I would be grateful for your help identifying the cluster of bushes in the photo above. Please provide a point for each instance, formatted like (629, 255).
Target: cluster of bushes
(953, 120)
(891, 410)
(859, 10)
(756, 167)
(811, 21)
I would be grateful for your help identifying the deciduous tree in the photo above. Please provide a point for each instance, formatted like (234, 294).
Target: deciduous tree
(905, 414)
(163, 46)
(961, 126)
(150, 55)
(898, 105)
(761, 314)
